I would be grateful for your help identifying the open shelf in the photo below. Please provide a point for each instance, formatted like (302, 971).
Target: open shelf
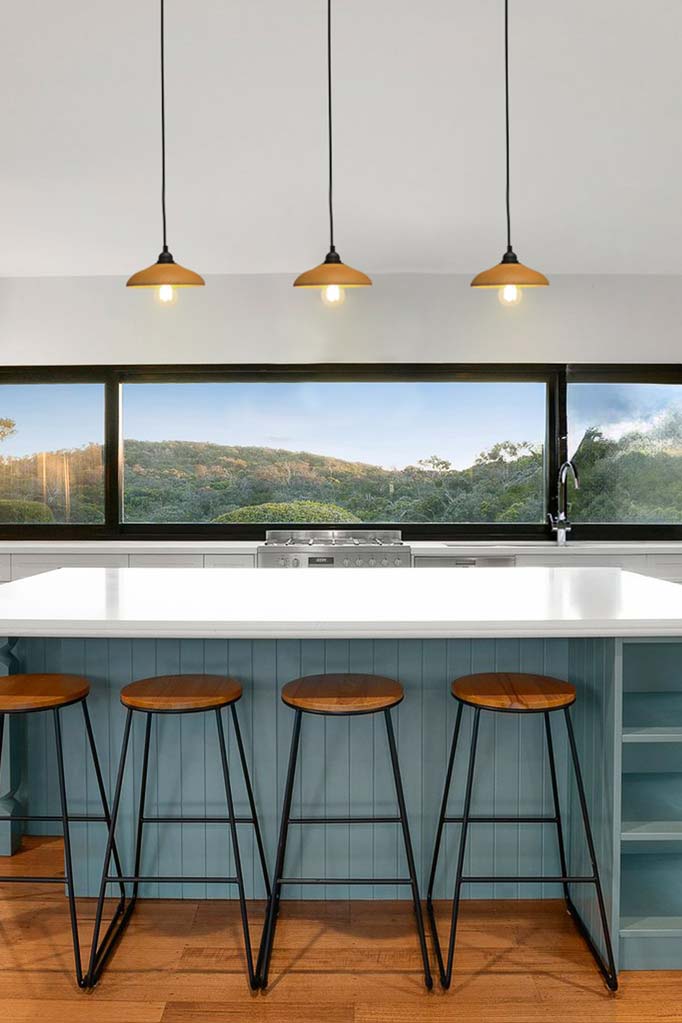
(651, 831)
(650, 927)
(654, 926)
(653, 733)
(652, 717)
(652, 806)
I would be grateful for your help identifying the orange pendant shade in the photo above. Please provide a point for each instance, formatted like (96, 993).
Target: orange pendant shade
(329, 273)
(164, 272)
(506, 273)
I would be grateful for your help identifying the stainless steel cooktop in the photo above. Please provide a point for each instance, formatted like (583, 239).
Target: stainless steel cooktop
(333, 548)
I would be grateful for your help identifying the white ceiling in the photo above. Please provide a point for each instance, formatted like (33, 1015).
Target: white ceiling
(596, 135)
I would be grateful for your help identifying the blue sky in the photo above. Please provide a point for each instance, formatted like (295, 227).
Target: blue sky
(389, 424)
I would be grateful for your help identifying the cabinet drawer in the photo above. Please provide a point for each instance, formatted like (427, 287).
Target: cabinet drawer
(166, 561)
(24, 565)
(630, 562)
(424, 561)
(229, 560)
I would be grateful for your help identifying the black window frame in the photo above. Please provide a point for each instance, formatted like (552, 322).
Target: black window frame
(555, 376)
(114, 377)
(624, 373)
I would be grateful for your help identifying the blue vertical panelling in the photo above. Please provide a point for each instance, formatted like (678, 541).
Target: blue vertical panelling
(343, 768)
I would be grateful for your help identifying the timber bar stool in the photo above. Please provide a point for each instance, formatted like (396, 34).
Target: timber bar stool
(510, 693)
(335, 695)
(30, 694)
(177, 694)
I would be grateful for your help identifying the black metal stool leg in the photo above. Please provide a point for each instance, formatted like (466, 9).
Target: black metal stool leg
(273, 905)
(252, 801)
(140, 814)
(446, 978)
(557, 808)
(100, 953)
(428, 980)
(439, 837)
(68, 861)
(102, 794)
(253, 980)
(608, 968)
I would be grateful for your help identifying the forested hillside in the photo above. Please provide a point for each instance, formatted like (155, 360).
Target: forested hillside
(177, 481)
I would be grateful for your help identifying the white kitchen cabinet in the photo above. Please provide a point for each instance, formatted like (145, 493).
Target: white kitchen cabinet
(665, 566)
(24, 565)
(229, 560)
(166, 561)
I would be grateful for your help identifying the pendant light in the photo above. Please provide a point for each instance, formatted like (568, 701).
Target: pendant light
(332, 276)
(165, 275)
(510, 276)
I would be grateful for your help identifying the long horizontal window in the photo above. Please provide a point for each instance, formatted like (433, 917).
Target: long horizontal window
(440, 452)
(406, 452)
(51, 453)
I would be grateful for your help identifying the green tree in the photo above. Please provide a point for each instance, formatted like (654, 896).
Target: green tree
(292, 511)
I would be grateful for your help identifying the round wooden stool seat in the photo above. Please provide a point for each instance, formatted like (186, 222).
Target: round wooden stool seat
(509, 691)
(342, 694)
(173, 694)
(20, 694)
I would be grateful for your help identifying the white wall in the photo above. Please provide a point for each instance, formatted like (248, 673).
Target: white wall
(403, 318)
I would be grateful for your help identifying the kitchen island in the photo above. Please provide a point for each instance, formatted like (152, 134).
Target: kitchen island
(617, 636)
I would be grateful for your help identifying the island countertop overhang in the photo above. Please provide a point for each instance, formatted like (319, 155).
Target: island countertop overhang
(358, 603)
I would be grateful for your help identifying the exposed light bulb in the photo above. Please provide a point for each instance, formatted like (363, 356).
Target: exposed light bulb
(167, 294)
(510, 294)
(333, 295)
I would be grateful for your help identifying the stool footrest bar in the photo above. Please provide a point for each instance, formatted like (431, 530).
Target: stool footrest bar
(502, 820)
(559, 879)
(35, 880)
(344, 880)
(142, 879)
(73, 818)
(344, 820)
(197, 820)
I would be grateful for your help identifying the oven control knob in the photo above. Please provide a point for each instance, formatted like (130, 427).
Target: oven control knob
(282, 562)
(346, 563)
(397, 562)
(358, 562)
(384, 562)
(371, 562)
(295, 563)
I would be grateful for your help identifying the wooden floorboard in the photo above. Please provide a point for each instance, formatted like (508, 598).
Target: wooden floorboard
(334, 962)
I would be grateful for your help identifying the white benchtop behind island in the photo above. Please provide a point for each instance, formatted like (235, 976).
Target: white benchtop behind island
(389, 603)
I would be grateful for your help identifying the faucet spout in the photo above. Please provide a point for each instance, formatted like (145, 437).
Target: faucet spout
(559, 523)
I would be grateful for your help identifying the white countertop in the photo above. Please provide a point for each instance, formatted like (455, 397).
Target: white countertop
(493, 548)
(271, 603)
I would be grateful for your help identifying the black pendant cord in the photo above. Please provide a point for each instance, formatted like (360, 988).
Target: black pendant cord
(163, 131)
(506, 117)
(329, 125)
(506, 114)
